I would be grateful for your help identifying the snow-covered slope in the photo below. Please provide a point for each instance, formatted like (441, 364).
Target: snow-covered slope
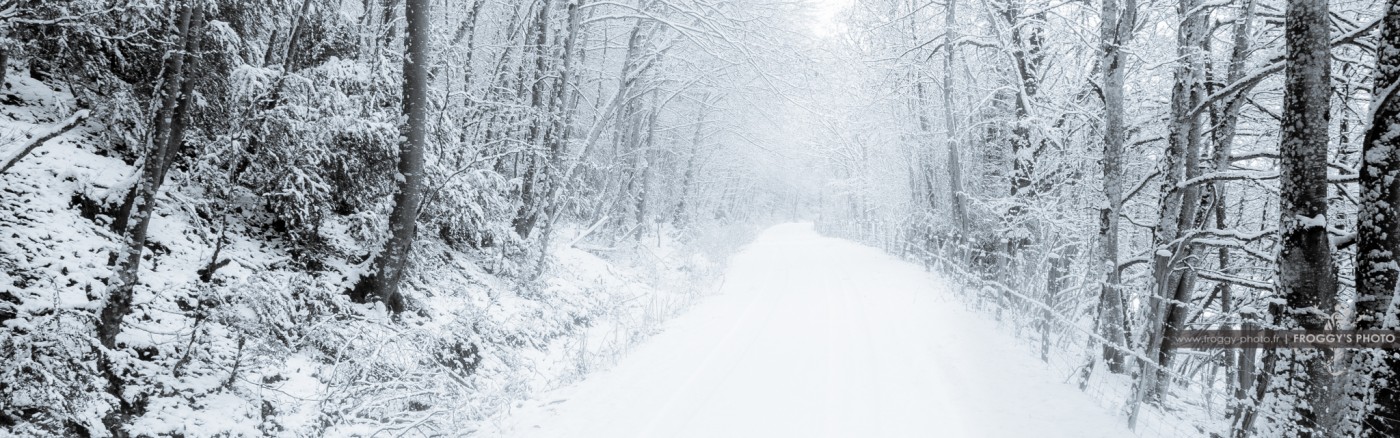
(269, 344)
(819, 337)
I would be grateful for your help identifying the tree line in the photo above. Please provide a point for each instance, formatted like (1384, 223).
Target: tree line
(347, 133)
(1147, 168)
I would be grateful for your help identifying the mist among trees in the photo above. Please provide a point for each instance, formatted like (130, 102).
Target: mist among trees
(358, 218)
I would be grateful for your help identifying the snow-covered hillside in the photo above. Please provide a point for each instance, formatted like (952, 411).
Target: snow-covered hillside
(268, 343)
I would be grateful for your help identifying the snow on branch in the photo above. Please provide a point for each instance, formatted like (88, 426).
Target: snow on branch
(1232, 280)
(1257, 175)
(1276, 65)
(36, 139)
(1243, 236)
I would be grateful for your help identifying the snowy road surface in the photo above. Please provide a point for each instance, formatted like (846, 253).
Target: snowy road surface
(819, 337)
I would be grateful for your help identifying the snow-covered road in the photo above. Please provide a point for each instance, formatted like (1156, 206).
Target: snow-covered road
(819, 337)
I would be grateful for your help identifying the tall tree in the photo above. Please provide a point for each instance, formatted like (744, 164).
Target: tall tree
(1028, 53)
(539, 131)
(1307, 280)
(950, 120)
(1378, 228)
(1175, 284)
(1226, 117)
(1176, 209)
(1116, 29)
(389, 267)
(166, 134)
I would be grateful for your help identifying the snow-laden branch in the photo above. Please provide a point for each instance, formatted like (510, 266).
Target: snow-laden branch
(1245, 84)
(1141, 185)
(1243, 236)
(36, 139)
(1232, 280)
(1258, 175)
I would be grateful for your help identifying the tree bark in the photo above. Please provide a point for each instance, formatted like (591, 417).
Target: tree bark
(1056, 281)
(4, 65)
(565, 100)
(682, 213)
(1306, 277)
(389, 267)
(166, 135)
(923, 155)
(1226, 119)
(955, 186)
(529, 212)
(1027, 41)
(1378, 228)
(1177, 207)
(1116, 29)
(294, 36)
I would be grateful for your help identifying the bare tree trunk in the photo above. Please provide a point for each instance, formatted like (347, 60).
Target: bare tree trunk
(1307, 280)
(951, 120)
(1226, 120)
(1378, 228)
(923, 181)
(1116, 30)
(4, 65)
(389, 267)
(644, 166)
(565, 100)
(682, 215)
(529, 212)
(1027, 39)
(165, 135)
(294, 37)
(922, 145)
(1055, 282)
(1177, 208)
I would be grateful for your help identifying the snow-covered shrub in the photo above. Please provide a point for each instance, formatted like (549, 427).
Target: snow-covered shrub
(465, 208)
(51, 379)
(313, 144)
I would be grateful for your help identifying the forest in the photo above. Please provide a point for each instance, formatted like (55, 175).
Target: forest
(407, 217)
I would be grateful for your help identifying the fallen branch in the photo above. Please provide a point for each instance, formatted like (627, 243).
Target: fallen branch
(588, 231)
(38, 139)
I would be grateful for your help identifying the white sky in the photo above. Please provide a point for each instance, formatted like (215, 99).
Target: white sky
(826, 14)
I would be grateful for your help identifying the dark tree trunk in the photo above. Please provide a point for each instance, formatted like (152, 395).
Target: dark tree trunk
(1378, 228)
(4, 65)
(167, 134)
(1177, 208)
(565, 100)
(1306, 278)
(294, 36)
(389, 267)
(682, 213)
(1027, 40)
(1226, 119)
(1056, 281)
(536, 159)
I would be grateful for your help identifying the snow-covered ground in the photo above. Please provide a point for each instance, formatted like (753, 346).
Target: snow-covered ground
(819, 337)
